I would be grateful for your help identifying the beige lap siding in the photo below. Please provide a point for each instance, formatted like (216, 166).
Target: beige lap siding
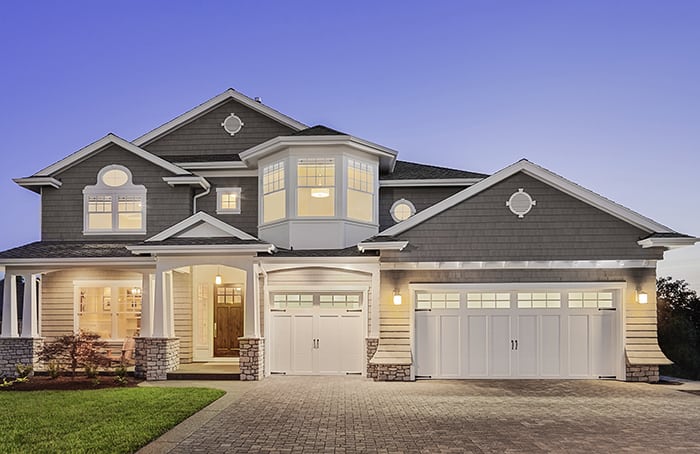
(58, 307)
(641, 340)
(182, 296)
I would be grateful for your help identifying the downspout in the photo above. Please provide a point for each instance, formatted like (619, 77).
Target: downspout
(194, 200)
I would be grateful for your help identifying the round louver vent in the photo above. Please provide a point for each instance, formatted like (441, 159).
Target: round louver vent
(232, 124)
(520, 203)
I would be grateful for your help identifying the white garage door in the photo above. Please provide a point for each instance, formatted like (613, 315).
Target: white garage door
(316, 333)
(517, 334)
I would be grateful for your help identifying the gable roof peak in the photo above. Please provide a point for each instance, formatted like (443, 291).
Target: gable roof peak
(212, 103)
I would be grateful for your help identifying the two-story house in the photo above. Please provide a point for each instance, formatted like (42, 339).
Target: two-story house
(237, 234)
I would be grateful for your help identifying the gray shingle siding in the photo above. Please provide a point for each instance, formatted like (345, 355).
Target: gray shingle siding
(205, 136)
(247, 219)
(559, 227)
(420, 197)
(62, 209)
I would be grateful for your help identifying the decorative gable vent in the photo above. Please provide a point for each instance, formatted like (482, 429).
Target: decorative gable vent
(232, 124)
(520, 203)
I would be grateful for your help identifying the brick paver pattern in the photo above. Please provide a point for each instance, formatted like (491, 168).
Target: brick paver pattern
(352, 414)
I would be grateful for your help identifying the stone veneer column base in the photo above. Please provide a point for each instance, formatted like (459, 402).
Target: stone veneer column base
(155, 357)
(252, 359)
(649, 374)
(393, 372)
(371, 344)
(18, 350)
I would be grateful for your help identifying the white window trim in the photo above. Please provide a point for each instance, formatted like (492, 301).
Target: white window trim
(374, 192)
(334, 186)
(219, 193)
(77, 284)
(101, 189)
(398, 202)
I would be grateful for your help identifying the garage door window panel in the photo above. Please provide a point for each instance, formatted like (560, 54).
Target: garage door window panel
(539, 300)
(488, 300)
(437, 301)
(590, 300)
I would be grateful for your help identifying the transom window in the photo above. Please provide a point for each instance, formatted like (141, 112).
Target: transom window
(580, 300)
(437, 301)
(228, 200)
(114, 205)
(539, 300)
(316, 187)
(274, 193)
(110, 309)
(488, 300)
(360, 203)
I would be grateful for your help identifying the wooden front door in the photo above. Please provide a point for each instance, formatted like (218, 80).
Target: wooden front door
(228, 319)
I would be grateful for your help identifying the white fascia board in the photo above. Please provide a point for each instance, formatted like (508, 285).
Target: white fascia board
(202, 249)
(215, 165)
(103, 142)
(670, 243)
(387, 156)
(520, 265)
(206, 106)
(226, 173)
(382, 246)
(543, 175)
(200, 216)
(189, 180)
(515, 286)
(81, 261)
(429, 182)
(37, 181)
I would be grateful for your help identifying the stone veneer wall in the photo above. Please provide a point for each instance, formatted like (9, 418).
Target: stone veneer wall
(252, 359)
(372, 343)
(649, 374)
(155, 357)
(393, 372)
(18, 350)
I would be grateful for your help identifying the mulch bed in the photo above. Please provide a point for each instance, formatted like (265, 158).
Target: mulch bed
(42, 383)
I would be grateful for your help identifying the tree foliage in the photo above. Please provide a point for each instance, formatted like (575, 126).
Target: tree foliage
(678, 309)
(73, 351)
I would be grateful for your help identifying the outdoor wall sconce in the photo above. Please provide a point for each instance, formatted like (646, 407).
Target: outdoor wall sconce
(217, 279)
(397, 298)
(642, 297)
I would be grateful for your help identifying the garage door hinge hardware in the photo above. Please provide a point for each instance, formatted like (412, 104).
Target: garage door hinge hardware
(278, 310)
(423, 377)
(278, 373)
(607, 309)
(607, 377)
(422, 310)
(353, 310)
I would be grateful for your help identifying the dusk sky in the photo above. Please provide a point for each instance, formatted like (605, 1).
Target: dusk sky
(604, 93)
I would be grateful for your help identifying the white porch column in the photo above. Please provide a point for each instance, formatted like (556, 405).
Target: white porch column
(163, 310)
(375, 308)
(251, 311)
(30, 308)
(147, 300)
(9, 307)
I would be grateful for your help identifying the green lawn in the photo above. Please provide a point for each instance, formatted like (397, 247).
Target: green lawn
(117, 420)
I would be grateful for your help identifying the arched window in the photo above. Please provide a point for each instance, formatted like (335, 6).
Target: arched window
(114, 205)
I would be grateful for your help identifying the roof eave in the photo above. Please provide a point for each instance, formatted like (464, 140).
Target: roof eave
(382, 246)
(32, 183)
(669, 243)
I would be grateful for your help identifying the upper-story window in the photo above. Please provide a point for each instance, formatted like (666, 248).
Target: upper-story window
(228, 200)
(274, 194)
(114, 205)
(360, 203)
(316, 187)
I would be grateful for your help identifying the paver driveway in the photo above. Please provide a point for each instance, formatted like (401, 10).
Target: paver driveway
(352, 414)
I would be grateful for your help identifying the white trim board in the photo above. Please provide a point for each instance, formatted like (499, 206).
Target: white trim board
(206, 106)
(515, 286)
(94, 147)
(544, 175)
(670, 243)
(382, 246)
(432, 182)
(211, 249)
(521, 265)
(201, 217)
(38, 181)
(188, 180)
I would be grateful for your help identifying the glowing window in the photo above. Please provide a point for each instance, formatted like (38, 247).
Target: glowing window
(114, 205)
(360, 193)
(112, 310)
(274, 193)
(228, 200)
(316, 187)
(401, 210)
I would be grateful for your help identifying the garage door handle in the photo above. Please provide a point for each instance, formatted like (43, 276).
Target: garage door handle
(516, 344)
(607, 309)
(512, 344)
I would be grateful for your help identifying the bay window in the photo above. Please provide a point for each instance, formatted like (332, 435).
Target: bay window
(274, 194)
(360, 199)
(316, 187)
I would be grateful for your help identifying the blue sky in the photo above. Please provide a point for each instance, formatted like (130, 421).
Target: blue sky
(603, 93)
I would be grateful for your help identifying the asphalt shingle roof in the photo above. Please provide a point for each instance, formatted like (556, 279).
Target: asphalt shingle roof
(319, 130)
(67, 249)
(405, 170)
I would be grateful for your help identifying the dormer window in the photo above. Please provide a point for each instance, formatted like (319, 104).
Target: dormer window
(114, 205)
